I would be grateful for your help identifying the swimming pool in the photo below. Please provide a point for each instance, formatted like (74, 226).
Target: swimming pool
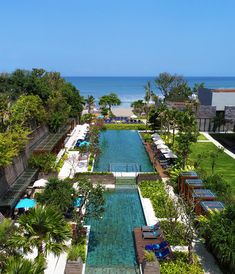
(111, 244)
(122, 150)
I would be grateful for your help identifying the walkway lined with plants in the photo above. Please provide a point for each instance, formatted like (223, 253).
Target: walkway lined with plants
(160, 203)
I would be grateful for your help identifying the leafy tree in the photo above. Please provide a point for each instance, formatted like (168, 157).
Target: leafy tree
(4, 111)
(28, 111)
(11, 143)
(93, 198)
(59, 111)
(43, 228)
(90, 101)
(54, 190)
(45, 162)
(138, 107)
(188, 133)
(74, 99)
(173, 87)
(107, 101)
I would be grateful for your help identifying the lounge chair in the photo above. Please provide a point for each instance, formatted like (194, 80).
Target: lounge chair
(157, 247)
(152, 235)
(150, 228)
(161, 255)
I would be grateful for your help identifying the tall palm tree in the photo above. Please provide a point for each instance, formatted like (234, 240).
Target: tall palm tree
(43, 228)
(90, 101)
(148, 92)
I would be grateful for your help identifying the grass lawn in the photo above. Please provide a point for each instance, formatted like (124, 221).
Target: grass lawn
(225, 164)
(202, 137)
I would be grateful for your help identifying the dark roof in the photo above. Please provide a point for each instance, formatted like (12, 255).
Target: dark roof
(212, 205)
(49, 142)
(223, 90)
(11, 197)
(201, 192)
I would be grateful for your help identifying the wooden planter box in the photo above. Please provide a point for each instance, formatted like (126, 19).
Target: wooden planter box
(182, 177)
(206, 206)
(190, 185)
(199, 195)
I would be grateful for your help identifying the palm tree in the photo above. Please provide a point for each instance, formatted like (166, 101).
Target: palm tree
(90, 101)
(6, 231)
(107, 101)
(43, 228)
(148, 92)
(21, 265)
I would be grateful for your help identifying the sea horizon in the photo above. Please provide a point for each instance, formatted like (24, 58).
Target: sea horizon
(131, 88)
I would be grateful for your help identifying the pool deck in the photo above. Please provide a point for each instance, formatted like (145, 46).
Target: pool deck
(140, 244)
(162, 172)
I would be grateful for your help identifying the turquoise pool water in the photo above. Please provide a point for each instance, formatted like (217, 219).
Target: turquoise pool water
(111, 244)
(122, 150)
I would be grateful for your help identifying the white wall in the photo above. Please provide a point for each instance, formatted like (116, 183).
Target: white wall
(222, 99)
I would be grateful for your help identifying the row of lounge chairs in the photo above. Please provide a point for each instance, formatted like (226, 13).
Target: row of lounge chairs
(162, 249)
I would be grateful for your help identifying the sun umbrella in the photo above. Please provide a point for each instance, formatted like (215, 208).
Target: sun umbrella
(77, 202)
(157, 138)
(158, 142)
(165, 150)
(155, 135)
(26, 203)
(40, 183)
(84, 143)
(161, 146)
(170, 155)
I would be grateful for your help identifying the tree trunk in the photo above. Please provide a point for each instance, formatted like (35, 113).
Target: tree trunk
(190, 254)
(40, 250)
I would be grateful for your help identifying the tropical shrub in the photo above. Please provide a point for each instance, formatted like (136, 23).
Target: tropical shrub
(54, 191)
(45, 162)
(149, 256)
(155, 191)
(218, 230)
(179, 265)
(174, 232)
(76, 251)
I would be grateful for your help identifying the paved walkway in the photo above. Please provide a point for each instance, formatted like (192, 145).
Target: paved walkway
(211, 139)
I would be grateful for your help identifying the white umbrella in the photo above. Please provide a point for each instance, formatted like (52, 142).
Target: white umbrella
(133, 116)
(158, 142)
(170, 155)
(40, 183)
(161, 146)
(157, 138)
(155, 135)
(165, 150)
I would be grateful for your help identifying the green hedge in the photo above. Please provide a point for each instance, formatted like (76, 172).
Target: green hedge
(155, 191)
(179, 265)
(125, 126)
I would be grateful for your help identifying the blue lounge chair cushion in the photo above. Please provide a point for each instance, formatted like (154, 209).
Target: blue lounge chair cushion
(156, 246)
(163, 254)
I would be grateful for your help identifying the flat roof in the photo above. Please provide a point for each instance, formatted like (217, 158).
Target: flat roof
(49, 142)
(10, 198)
(223, 90)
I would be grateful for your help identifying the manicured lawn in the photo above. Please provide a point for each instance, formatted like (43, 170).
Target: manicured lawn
(202, 137)
(225, 164)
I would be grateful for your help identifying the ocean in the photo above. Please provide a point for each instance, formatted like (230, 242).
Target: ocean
(130, 89)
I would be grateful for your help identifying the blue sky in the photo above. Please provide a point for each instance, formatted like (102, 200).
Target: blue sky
(119, 38)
